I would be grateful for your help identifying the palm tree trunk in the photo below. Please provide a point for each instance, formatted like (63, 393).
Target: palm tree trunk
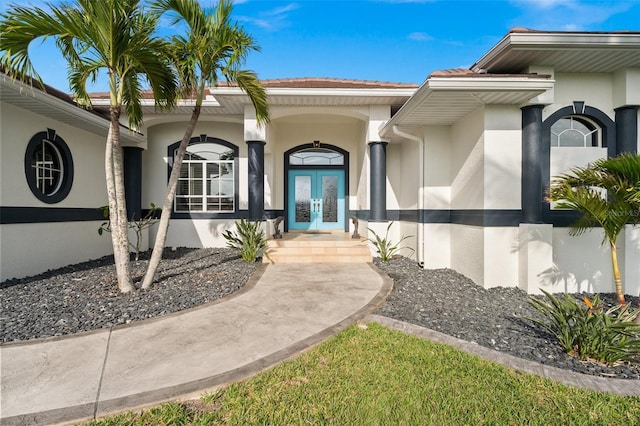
(163, 225)
(616, 274)
(117, 205)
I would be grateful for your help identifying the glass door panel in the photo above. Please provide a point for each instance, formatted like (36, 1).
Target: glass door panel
(316, 200)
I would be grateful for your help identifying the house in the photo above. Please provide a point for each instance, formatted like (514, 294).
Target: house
(461, 163)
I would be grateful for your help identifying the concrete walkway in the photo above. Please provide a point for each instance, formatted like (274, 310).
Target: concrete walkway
(283, 311)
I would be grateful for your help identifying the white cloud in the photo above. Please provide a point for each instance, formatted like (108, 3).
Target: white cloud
(419, 36)
(271, 20)
(566, 15)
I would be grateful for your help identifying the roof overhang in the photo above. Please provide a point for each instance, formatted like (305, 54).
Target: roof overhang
(231, 100)
(565, 51)
(319, 96)
(37, 101)
(445, 100)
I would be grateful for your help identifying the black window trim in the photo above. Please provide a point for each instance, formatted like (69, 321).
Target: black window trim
(236, 179)
(67, 163)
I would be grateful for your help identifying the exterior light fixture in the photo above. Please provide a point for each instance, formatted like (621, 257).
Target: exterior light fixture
(316, 144)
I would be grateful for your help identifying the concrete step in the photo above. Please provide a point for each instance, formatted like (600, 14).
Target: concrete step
(318, 248)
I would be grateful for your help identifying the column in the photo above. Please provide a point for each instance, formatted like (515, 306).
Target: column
(532, 162)
(133, 181)
(627, 129)
(378, 184)
(256, 179)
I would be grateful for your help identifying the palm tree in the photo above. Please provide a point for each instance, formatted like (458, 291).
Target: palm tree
(213, 48)
(114, 36)
(605, 193)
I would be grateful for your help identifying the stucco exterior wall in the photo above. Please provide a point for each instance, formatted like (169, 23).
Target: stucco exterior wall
(32, 248)
(500, 257)
(467, 251)
(595, 89)
(467, 162)
(437, 167)
(502, 157)
(87, 150)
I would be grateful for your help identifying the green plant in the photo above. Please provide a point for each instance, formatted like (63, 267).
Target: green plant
(384, 247)
(138, 226)
(589, 332)
(248, 239)
(583, 189)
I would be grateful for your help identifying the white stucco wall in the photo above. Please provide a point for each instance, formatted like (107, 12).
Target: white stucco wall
(87, 150)
(502, 157)
(500, 257)
(437, 167)
(467, 162)
(28, 249)
(467, 251)
(437, 245)
(594, 89)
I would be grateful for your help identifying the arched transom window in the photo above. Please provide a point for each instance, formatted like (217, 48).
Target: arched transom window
(316, 157)
(575, 131)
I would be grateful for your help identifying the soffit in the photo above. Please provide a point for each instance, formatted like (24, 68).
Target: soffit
(59, 107)
(319, 97)
(444, 101)
(566, 52)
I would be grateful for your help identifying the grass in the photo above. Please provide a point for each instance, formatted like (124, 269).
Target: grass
(377, 376)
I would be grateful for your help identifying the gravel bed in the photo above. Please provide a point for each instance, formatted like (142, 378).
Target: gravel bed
(85, 297)
(448, 302)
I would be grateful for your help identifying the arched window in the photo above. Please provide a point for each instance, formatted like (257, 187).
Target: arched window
(316, 157)
(575, 131)
(207, 182)
(48, 167)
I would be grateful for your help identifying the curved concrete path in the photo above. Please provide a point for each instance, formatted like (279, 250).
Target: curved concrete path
(281, 312)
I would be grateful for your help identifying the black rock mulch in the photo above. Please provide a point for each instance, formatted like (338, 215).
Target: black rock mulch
(497, 318)
(84, 297)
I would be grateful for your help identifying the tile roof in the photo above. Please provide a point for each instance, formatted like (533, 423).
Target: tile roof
(464, 72)
(334, 83)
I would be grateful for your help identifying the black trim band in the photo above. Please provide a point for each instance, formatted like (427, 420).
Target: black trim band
(11, 215)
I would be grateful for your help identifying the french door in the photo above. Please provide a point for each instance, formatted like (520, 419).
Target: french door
(316, 200)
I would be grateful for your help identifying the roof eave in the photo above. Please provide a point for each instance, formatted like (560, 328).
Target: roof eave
(522, 40)
(524, 84)
(95, 123)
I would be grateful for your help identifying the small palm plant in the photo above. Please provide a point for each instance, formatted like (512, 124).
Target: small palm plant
(248, 238)
(384, 247)
(583, 190)
(589, 332)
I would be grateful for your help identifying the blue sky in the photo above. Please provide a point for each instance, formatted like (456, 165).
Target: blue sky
(385, 40)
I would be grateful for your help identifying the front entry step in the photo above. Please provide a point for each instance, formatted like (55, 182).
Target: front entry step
(318, 248)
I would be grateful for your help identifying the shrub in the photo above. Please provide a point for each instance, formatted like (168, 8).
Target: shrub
(384, 247)
(589, 332)
(248, 239)
(138, 225)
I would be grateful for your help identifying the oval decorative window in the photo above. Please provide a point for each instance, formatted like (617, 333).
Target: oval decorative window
(48, 167)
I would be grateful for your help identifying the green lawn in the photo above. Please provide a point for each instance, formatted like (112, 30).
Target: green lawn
(380, 376)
